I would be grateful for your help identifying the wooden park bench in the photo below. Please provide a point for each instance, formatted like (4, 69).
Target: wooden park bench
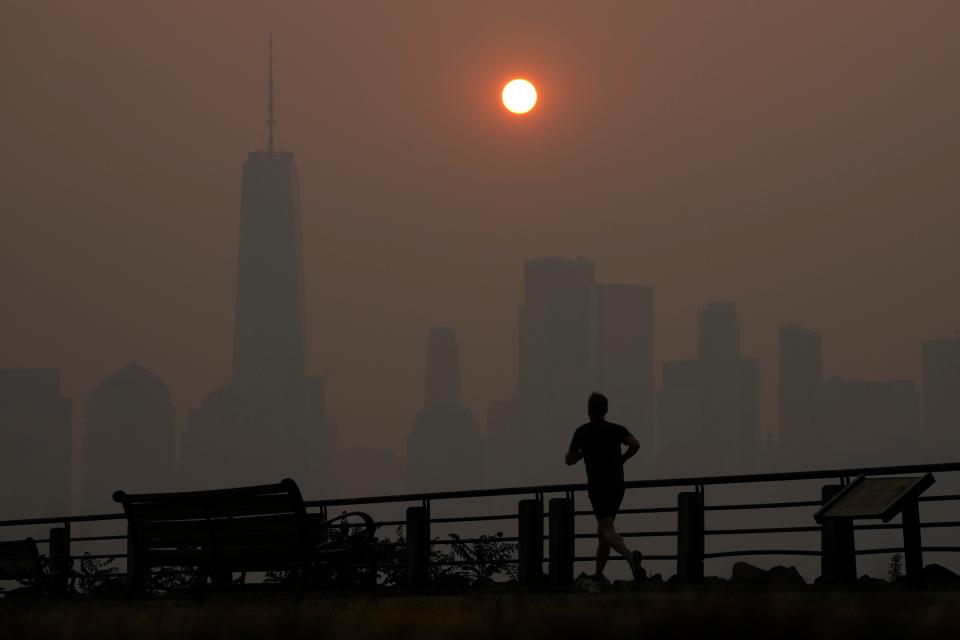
(20, 560)
(213, 534)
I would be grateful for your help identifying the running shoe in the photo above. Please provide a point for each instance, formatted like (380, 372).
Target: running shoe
(634, 559)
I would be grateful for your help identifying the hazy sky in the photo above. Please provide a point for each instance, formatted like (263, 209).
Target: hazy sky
(800, 158)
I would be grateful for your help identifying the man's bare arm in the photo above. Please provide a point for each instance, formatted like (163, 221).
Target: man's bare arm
(573, 457)
(633, 445)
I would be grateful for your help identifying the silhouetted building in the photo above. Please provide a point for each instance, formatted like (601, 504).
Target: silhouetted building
(680, 419)
(718, 350)
(800, 377)
(226, 444)
(868, 423)
(624, 366)
(714, 400)
(368, 471)
(941, 397)
(269, 357)
(130, 436)
(273, 415)
(35, 444)
(320, 479)
(554, 343)
(575, 336)
(749, 435)
(444, 450)
(554, 372)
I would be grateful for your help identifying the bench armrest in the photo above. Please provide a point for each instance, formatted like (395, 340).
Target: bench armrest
(363, 536)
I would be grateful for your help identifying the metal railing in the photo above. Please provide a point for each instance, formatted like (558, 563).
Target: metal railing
(560, 534)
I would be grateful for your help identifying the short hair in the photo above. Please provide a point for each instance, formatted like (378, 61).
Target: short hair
(597, 404)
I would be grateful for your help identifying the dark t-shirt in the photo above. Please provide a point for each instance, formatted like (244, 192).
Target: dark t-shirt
(600, 442)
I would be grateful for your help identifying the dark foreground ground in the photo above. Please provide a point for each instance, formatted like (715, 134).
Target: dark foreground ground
(675, 613)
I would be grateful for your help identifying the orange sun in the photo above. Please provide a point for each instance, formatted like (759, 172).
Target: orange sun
(519, 96)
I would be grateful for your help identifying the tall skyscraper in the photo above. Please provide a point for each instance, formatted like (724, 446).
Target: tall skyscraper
(130, 438)
(555, 362)
(680, 419)
(444, 450)
(269, 357)
(714, 399)
(941, 396)
(273, 415)
(35, 444)
(800, 376)
(624, 366)
(868, 423)
(320, 477)
(554, 374)
(730, 430)
(225, 444)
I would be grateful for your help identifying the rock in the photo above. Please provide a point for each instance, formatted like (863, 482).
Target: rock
(870, 581)
(939, 576)
(746, 573)
(785, 575)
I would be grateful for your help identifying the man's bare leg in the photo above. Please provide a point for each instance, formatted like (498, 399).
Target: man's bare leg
(607, 533)
(603, 552)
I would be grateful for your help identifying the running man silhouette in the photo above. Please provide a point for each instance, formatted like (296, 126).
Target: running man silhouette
(598, 442)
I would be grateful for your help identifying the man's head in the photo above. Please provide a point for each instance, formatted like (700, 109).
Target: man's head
(597, 406)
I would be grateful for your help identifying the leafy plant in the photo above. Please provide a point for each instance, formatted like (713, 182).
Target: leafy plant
(485, 559)
(477, 563)
(97, 575)
(895, 568)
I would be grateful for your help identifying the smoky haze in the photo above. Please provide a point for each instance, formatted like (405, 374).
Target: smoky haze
(799, 159)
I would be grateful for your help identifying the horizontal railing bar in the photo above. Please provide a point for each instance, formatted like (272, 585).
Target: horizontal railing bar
(94, 538)
(625, 511)
(474, 540)
(727, 532)
(923, 525)
(645, 484)
(936, 498)
(512, 516)
(98, 556)
(61, 520)
(631, 534)
(454, 563)
(865, 552)
(762, 552)
(564, 488)
(762, 505)
(645, 557)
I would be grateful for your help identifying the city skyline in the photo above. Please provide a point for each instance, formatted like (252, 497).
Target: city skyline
(178, 248)
(504, 318)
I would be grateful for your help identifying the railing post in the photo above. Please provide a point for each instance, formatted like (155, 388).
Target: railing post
(690, 537)
(838, 555)
(912, 546)
(136, 574)
(418, 546)
(561, 540)
(60, 559)
(530, 543)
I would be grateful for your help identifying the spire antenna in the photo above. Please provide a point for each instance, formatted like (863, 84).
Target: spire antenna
(270, 119)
